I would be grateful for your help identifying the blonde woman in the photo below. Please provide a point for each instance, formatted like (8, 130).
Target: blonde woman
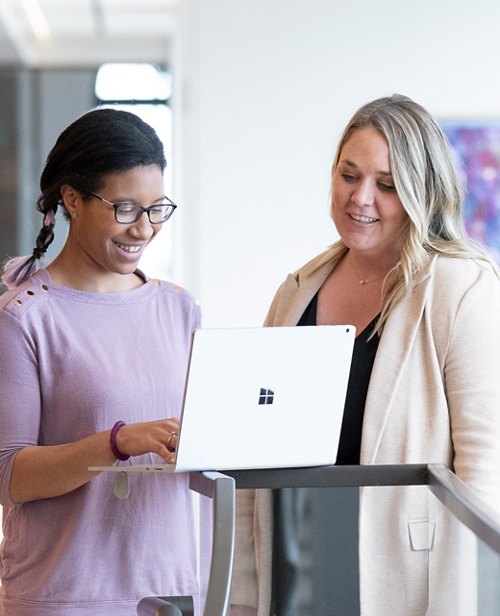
(425, 378)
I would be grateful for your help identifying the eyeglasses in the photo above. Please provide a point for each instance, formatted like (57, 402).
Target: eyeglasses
(127, 213)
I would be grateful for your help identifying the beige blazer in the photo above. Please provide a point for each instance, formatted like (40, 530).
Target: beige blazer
(434, 396)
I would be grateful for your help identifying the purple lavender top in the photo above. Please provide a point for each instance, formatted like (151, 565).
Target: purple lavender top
(72, 363)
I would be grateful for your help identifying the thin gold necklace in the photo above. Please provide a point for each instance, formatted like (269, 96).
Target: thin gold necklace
(363, 281)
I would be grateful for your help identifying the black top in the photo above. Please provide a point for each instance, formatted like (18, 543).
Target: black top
(359, 377)
(315, 529)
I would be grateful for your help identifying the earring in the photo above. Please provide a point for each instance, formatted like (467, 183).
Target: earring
(73, 214)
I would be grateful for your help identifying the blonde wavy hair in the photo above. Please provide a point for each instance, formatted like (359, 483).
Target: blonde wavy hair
(428, 185)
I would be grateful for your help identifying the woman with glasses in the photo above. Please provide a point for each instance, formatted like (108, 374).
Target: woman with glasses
(93, 358)
(424, 384)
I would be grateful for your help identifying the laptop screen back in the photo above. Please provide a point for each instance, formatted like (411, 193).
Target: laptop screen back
(265, 397)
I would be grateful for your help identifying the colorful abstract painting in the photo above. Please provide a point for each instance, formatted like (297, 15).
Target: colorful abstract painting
(477, 145)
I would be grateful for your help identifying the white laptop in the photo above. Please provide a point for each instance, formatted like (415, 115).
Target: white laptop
(256, 398)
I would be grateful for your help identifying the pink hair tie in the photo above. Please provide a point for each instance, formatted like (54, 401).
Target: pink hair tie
(49, 218)
(112, 441)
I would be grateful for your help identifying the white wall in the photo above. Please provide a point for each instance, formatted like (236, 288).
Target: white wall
(266, 88)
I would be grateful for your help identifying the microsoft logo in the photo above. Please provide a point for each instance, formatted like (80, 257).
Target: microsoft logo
(266, 396)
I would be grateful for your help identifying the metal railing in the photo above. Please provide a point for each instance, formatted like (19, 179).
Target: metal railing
(221, 489)
(445, 485)
(483, 521)
(465, 505)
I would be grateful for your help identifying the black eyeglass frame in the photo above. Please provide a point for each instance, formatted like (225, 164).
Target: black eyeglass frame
(140, 210)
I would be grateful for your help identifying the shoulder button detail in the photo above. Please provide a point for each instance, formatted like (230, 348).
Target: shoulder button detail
(177, 288)
(25, 297)
(155, 281)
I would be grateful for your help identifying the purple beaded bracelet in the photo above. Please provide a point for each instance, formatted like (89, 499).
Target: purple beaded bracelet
(112, 441)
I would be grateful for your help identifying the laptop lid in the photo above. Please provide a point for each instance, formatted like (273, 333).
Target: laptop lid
(270, 397)
(265, 397)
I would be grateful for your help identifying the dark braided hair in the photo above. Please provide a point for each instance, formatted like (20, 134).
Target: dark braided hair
(46, 234)
(100, 142)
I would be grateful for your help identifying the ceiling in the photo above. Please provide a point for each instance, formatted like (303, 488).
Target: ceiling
(62, 33)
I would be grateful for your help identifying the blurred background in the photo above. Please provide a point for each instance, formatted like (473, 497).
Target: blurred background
(250, 98)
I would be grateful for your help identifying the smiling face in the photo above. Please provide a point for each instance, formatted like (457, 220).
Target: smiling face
(99, 245)
(366, 209)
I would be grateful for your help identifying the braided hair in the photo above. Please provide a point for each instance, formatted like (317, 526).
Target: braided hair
(100, 142)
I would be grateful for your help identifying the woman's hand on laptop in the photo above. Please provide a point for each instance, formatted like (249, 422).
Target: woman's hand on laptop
(159, 437)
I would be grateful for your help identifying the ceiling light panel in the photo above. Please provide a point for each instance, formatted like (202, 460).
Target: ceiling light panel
(136, 17)
(68, 18)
